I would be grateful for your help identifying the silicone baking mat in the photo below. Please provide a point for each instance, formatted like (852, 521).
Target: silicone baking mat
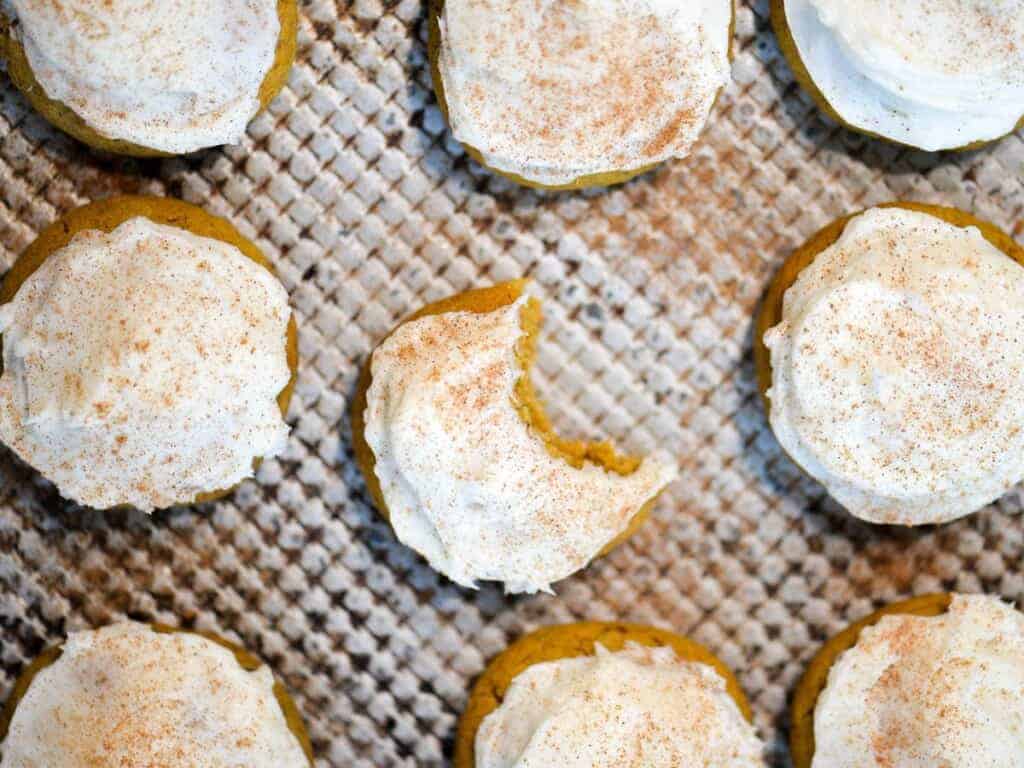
(352, 184)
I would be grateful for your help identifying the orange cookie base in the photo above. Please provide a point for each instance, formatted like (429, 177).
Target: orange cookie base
(801, 738)
(570, 641)
(246, 660)
(107, 215)
(67, 120)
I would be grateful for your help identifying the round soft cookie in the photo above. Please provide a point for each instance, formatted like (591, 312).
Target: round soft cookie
(149, 355)
(139, 694)
(150, 79)
(597, 693)
(889, 350)
(941, 76)
(561, 96)
(934, 680)
(458, 452)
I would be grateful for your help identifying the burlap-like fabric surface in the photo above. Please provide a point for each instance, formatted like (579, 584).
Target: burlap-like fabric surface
(355, 189)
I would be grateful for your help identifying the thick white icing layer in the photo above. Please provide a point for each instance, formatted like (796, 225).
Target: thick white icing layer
(935, 75)
(552, 91)
(897, 368)
(637, 707)
(918, 692)
(171, 76)
(466, 482)
(127, 696)
(142, 367)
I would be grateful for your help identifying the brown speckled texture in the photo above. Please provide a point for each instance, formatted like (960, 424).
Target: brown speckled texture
(352, 186)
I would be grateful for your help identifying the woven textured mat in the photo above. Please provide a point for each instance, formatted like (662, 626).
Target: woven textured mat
(353, 186)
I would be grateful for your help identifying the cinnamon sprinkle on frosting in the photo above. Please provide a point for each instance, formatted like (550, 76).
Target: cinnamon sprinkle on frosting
(172, 76)
(554, 90)
(142, 367)
(467, 481)
(126, 696)
(897, 368)
(636, 707)
(920, 692)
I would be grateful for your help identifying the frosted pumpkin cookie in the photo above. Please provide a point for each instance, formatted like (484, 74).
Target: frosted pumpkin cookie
(578, 94)
(933, 681)
(137, 695)
(596, 694)
(890, 349)
(946, 74)
(149, 355)
(152, 77)
(459, 455)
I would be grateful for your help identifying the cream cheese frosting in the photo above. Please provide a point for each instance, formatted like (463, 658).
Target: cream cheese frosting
(552, 91)
(920, 692)
(171, 76)
(935, 75)
(898, 366)
(142, 367)
(125, 695)
(637, 707)
(466, 481)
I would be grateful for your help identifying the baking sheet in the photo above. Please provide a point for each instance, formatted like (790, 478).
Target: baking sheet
(353, 186)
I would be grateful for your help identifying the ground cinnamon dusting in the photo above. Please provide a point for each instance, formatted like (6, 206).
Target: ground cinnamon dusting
(461, 455)
(597, 84)
(116, 394)
(127, 695)
(917, 692)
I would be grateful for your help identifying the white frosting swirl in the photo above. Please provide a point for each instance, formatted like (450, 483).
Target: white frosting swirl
(637, 707)
(466, 481)
(171, 76)
(918, 692)
(125, 695)
(142, 367)
(552, 90)
(898, 366)
(935, 75)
